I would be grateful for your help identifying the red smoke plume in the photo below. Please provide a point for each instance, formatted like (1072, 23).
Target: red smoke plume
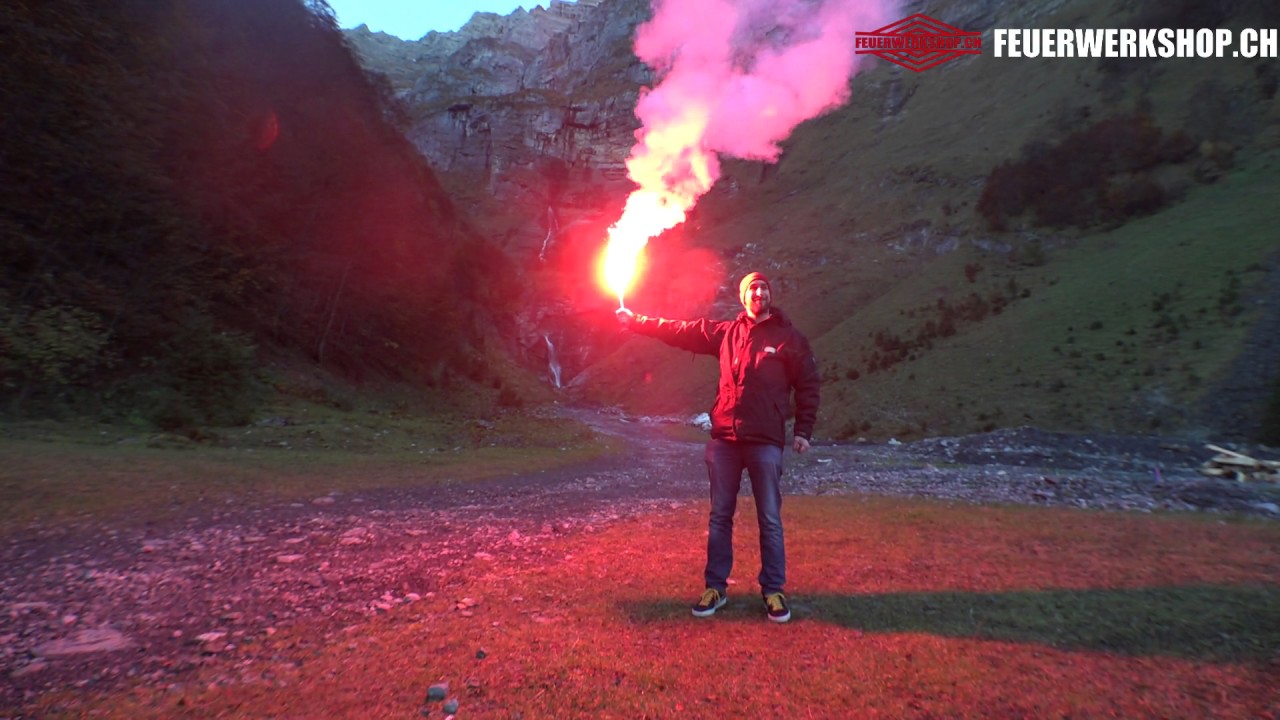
(735, 77)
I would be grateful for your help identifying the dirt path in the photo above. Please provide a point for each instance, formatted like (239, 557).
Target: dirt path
(93, 607)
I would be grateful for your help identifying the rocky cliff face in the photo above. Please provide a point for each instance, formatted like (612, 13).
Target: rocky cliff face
(528, 119)
(535, 109)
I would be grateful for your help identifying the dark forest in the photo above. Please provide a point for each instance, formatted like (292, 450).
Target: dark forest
(192, 186)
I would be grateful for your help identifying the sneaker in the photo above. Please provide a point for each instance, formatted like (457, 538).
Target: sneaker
(776, 604)
(711, 601)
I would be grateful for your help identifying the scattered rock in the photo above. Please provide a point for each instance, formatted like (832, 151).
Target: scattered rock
(438, 692)
(29, 669)
(354, 536)
(288, 559)
(93, 640)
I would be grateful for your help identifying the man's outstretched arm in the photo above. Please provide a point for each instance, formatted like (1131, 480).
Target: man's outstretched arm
(700, 336)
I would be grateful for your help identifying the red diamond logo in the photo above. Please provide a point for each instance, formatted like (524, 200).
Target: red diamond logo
(918, 42)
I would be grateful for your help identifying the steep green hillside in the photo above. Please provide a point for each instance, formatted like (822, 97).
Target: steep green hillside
(1116, 307)
(191, 189)
(1120, 331)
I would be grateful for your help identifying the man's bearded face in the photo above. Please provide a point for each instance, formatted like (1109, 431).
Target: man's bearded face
(757, 299)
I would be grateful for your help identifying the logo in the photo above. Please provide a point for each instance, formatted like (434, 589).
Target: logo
(918, 42)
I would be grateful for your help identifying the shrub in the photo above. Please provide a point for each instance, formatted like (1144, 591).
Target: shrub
(57, 346)
(202, 377)
(1134, 198)
(1096, 175)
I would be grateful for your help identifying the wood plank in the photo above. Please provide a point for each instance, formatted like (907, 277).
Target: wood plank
(1236, 461)
(1225, 451)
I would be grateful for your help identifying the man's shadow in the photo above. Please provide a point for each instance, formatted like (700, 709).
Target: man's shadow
(1201, 622)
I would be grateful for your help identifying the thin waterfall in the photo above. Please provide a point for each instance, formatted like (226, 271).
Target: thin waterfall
(552, 226)
(552, 363)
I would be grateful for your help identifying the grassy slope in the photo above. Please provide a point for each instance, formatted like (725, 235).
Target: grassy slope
(1041, 360)
(830, 223)
(319, 437)
(918, 609)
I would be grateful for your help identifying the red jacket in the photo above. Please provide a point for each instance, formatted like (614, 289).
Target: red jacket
(760, 364)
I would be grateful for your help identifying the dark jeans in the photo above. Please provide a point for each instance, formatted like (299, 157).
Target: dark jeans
(763, 462)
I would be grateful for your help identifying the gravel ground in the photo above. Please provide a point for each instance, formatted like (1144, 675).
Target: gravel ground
(91, 607)
(1029, 466)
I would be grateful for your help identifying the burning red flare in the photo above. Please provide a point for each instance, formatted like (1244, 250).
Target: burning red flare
(673, 172)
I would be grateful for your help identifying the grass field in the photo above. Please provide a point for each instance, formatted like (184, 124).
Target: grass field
(54, 473)
(901, 609)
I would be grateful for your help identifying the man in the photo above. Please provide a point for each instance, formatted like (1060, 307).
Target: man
(762, 359)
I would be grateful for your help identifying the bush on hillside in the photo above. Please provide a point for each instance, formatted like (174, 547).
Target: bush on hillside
(1093, 176)
(58, 345)
(204, 377)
